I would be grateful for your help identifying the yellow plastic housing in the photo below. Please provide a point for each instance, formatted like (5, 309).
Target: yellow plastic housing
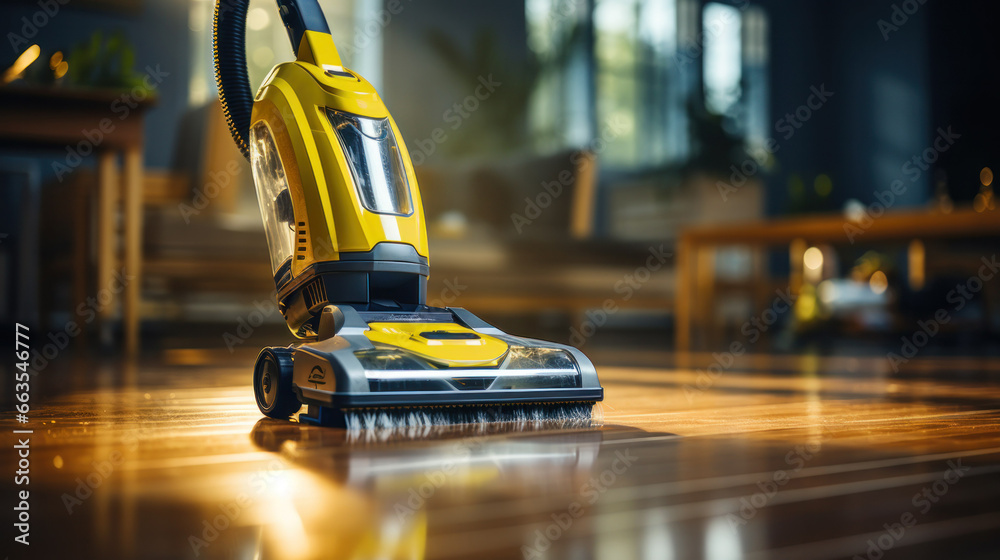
(329, 217)
(419, 339)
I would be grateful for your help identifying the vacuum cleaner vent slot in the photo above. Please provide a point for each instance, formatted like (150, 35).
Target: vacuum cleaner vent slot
(315, 294)
(300, 250)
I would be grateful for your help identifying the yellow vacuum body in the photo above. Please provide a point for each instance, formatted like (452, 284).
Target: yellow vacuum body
(337, 191)
(348, 246)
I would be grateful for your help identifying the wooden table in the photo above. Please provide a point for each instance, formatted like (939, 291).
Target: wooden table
(183, 466)
(82, 122)
(695, 273)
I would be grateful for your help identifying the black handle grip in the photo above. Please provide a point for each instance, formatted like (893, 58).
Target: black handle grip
(300, 16)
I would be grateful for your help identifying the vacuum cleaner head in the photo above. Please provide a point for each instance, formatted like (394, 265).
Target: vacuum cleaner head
(441, 366)
(348, 245)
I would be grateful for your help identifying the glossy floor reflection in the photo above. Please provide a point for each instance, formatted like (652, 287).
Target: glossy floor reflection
(791, 458)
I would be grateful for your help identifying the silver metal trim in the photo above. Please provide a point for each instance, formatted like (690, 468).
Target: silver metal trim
(446, 374)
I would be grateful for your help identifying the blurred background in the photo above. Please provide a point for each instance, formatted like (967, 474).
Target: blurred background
(639, 178)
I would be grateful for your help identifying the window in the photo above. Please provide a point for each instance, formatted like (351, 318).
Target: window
(643, 72)
(735, 68)
(641, 85)
(723, 65)
(559, 112)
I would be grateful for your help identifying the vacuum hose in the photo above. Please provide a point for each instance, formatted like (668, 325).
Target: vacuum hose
(229, 52)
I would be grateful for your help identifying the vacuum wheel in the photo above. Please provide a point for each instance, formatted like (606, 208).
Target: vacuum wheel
(272, 383)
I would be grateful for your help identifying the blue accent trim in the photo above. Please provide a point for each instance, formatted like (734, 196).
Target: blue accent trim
(300, 16)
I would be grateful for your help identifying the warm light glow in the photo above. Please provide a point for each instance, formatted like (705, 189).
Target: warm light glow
(916, 257)
(813, 258)
(55, 59)
(854, 210)
(805, 306)
(812, 262)
(61, 70)
(983, 202)
(986, 176)
(878, 282)
(258, 18)
(27, 57)
(827, 292)
(282, 518)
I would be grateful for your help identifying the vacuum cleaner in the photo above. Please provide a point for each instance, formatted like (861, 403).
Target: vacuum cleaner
(348, 247)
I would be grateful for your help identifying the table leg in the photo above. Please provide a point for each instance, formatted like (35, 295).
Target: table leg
(704, 320)
(81, 247)
(682, 299)
(796, 256)
(107, 197)
(133, 248)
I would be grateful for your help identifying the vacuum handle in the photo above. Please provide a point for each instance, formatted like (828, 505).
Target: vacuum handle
(300, 16)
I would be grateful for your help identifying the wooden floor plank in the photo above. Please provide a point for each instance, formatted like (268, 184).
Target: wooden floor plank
(144, 471)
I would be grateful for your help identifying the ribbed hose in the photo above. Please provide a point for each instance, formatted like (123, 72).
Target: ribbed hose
(229, 52)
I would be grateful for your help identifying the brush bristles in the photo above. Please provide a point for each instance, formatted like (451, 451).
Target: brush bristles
(391, 419)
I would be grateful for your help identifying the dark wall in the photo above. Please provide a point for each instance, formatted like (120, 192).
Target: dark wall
(963, 49)
(798, 63)
(880, 114)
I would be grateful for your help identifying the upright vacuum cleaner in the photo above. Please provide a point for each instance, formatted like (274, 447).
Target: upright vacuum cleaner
(348, 245)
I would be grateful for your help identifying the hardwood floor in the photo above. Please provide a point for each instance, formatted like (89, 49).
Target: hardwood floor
(793, 457)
